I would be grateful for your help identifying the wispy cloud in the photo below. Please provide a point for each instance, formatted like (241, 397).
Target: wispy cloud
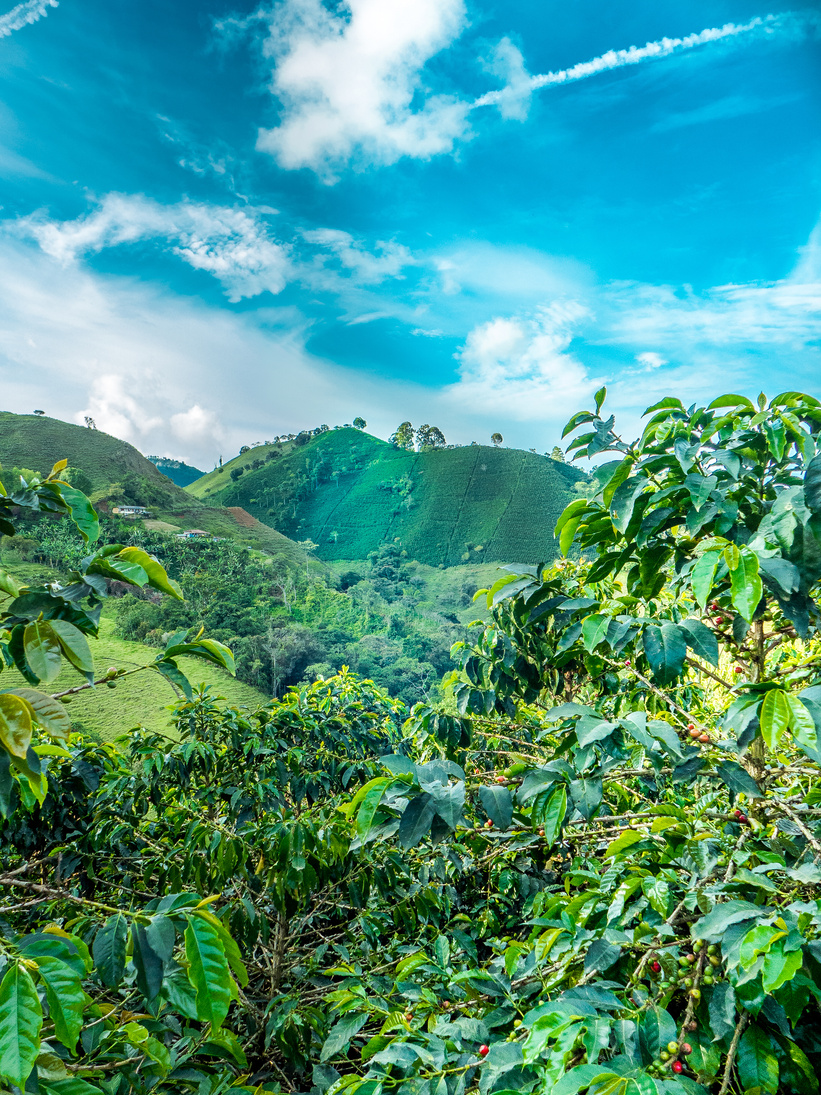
(519, 89)
(28, 12)
(236, 246)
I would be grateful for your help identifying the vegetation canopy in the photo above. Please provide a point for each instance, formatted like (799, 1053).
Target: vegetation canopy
(594, 868)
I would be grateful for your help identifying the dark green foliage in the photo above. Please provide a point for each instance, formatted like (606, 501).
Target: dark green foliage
(594, 868)
(176, 470)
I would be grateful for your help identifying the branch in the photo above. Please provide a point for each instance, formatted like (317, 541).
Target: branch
(709, 673)
(728, 1067)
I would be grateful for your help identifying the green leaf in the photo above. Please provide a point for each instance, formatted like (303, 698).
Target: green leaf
(208, 649)
(594, 630)
(49, 713)
(701, 640)
(568, 513)
(8, 786)
(109, 950)
(731, 401)
(228, 944)
(656, 1028)
(722, 1010)
(416, 820)
(812, 485)
(42, 650)
(600, 397)
(774, 716)
(21, 1018)
(554, 815)
(624, 501)
(757, 1063)
(73, 1086)
(713, 926)
(497, 804)
(15, 725)
(341, 1035)
(666, 651)
(82, 512)
(702, 576)
(621, 473)
(7, 583)
(780, 967)
(623, 842)
(745, 583)
(668, 403)
(370, 803)
(75, 646)
(208, 971)
(568, 534)
(66, 999)
(147, 963)
(802, 724)
(157, 576)
(737, 779)
(172, 673)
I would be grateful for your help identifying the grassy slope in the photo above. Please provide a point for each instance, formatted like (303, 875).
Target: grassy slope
(35, 442)
(141, 700)
(461, 505)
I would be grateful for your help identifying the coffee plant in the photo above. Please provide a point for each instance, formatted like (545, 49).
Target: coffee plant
(596, 868)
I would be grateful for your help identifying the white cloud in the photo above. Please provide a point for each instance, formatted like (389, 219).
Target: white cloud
(651, 360)
(785, 313)
(116, 411)
(520, 367)
(367, 267)
(171, 374)
(235, 245)
(31, 11)
(351, 81)
(196, 426)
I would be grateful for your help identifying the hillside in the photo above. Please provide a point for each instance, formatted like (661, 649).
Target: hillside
(117, 471)
(348, 492)
(177, 470)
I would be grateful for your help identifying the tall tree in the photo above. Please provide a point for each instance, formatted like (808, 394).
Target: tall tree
(429, 437)
(404, 436)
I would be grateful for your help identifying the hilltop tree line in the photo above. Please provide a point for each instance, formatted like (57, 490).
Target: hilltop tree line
(593, 867)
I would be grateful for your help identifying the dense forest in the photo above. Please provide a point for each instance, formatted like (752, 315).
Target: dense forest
(384, 620)
(588, 861)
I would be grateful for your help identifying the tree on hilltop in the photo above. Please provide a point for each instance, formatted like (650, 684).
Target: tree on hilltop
(429, 437)
(557, 454)
(497, 439)
(359, 423)
(404, 436)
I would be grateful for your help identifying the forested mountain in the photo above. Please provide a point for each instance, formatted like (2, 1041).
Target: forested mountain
(349, 492)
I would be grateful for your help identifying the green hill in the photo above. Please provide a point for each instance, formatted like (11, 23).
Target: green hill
(114, 471)
(348, 492)
(177, 470)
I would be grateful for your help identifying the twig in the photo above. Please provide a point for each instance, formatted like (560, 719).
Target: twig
(728, 1067)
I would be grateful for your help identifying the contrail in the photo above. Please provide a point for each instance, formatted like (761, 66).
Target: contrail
(28, 12)
(635, 55)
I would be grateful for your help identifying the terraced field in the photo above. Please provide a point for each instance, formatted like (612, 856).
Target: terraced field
(348, 492)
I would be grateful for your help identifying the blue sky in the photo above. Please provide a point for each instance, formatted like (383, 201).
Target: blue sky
(221, 222)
